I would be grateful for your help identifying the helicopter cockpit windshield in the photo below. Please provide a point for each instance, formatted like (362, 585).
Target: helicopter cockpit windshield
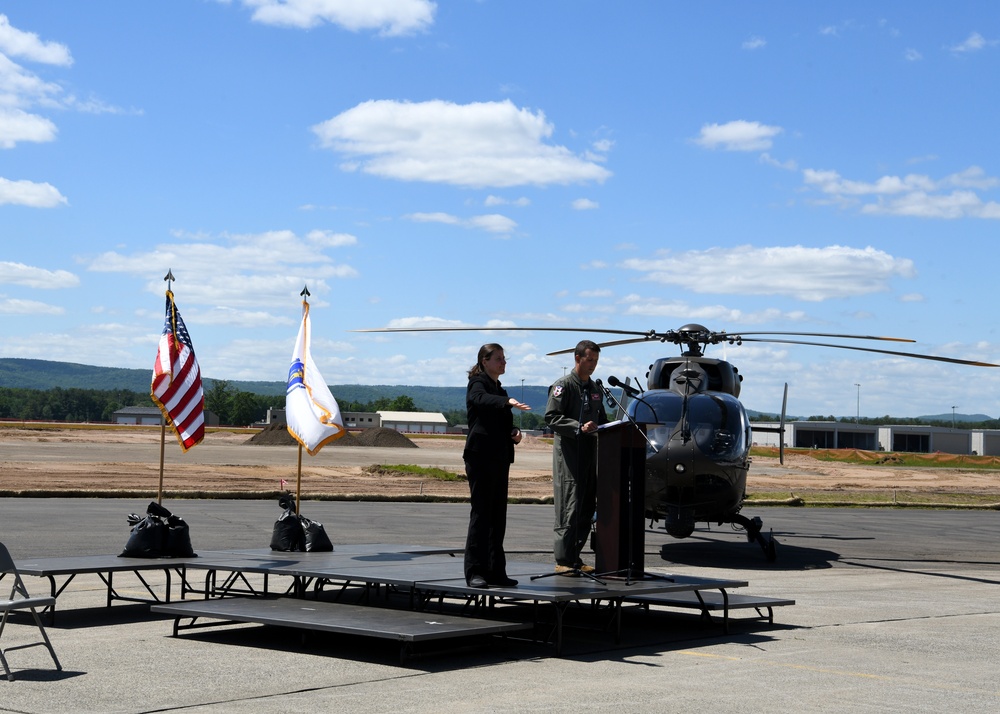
(716, 422)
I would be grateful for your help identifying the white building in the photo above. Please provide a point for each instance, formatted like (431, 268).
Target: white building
(137, 415)
(887, 437)
(415, 422)
(352, 420)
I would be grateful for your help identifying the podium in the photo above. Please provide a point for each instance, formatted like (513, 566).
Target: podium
(621, 475)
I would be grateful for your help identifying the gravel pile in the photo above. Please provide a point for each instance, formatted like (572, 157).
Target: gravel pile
(277, 435)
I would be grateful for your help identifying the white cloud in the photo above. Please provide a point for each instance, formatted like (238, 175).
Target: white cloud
(19, 87)
(260, 269)
(973, 43)
(916, 195)
(810, 274)
(17, 125)
(639, 306)
(29, 193)
(972, 177)
(500, 201)
(245, 318)
(389, 17)
(400, 323)
(831, 182)
(27, 45)
(585, 204)
(958, 204)
(589, 308)
(438, 217)
(13, 306)
(789, 165)
(603, 146)
(107, 345)
(492, 223)
(737, 136)
(912, 55)
(331, 239)
(475, 145)
(32, 277)
(754, 43)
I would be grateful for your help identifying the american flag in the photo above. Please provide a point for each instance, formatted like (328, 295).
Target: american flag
(176, 386)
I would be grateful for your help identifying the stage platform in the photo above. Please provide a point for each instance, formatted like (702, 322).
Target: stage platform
(406, 578)
(426, 577)
(407, 627)
(105, 567)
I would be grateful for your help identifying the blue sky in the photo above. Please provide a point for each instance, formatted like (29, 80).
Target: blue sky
(788, 166)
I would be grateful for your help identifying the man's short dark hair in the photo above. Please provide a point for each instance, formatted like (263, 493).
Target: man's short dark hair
(583, 345)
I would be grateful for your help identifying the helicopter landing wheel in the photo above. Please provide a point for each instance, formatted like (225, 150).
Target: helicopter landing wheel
(753, 527)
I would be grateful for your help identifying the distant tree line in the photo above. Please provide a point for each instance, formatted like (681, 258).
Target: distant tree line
(232, 405)
(73, 404)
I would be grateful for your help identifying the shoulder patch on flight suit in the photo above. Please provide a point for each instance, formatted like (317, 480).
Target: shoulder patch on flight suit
(557, 391)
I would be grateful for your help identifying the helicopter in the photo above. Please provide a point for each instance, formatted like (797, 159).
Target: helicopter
(698, 434)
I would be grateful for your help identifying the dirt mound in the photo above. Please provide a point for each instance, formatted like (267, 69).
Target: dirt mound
(383, 437)
(274, 434)
(277, 435)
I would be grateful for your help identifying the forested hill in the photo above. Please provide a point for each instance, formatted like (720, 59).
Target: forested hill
(44, 375)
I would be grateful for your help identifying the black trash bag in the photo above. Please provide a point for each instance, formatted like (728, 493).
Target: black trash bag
(179, 538)
(288, 534)
(317, 541)
(157, 535)
(156, 509)
(148, 538)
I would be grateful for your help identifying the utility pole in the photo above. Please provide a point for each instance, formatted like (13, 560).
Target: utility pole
(857, 418)
(953, 417)
(520, 412)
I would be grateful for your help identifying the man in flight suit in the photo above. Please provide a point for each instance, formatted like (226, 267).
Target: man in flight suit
(574, 411)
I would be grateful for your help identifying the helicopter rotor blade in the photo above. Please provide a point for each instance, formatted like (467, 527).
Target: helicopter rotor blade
(700, 336)
(953, 360)
(651, 334)
(738, 335)
(673, 336)
(602, 345)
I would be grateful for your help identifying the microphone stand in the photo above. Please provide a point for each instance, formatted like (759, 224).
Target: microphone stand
(613, 401)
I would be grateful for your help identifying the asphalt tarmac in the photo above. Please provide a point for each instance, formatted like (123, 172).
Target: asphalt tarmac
(896, 610)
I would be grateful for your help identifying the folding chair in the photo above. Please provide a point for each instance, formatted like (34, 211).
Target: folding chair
(20, 600)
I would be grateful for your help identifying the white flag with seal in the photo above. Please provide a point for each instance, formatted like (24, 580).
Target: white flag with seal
(311, 412)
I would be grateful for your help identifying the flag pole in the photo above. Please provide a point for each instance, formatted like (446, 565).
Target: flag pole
(298, 483)
(169, 277)
(163, 440)
(298, 477)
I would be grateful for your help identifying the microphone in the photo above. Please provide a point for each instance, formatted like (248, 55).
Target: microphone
(627, 388)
